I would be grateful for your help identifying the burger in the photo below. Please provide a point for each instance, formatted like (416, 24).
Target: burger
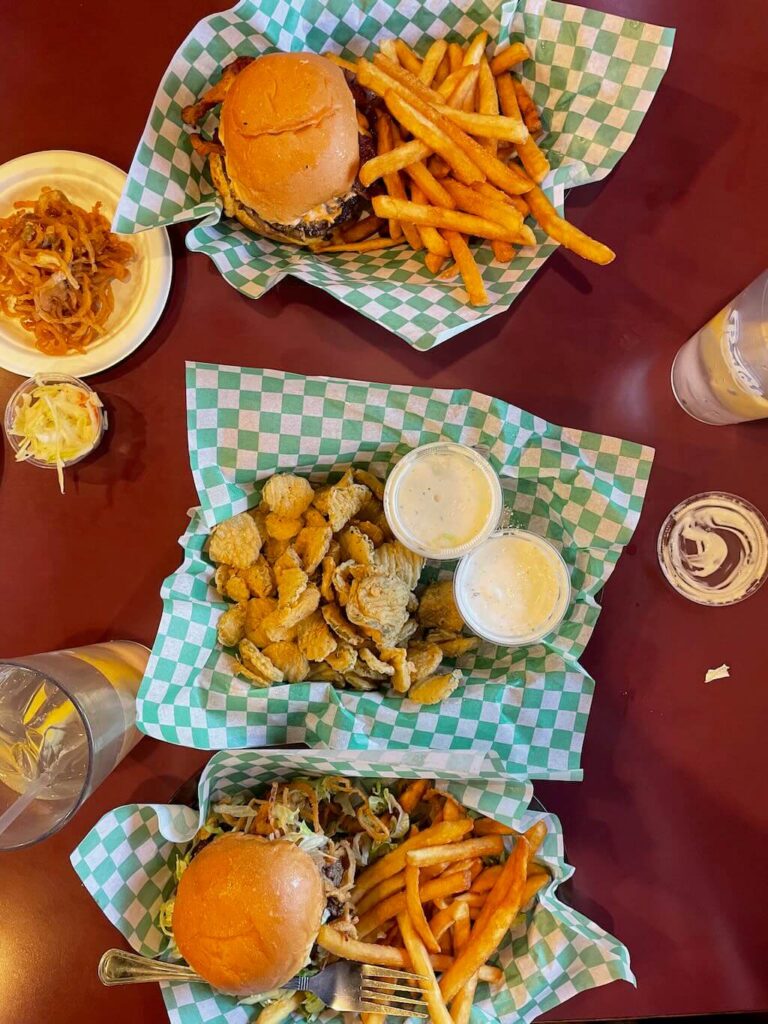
(288, 148)
(247, 912)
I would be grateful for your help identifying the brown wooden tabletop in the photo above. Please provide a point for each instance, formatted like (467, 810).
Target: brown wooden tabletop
(668, 831)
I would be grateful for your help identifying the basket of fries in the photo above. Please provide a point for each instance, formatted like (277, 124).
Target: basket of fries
(455, 879)
(481, 118)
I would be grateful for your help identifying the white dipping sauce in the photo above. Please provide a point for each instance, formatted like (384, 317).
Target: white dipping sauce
(513, 588)
(714, 549)
(441, 498)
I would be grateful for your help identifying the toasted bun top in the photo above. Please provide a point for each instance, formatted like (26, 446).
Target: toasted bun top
(247, 911)
(289, 129)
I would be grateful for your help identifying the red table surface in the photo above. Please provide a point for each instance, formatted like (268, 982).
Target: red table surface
(668, 829)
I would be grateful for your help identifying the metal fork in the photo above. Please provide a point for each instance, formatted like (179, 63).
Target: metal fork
(343, 985)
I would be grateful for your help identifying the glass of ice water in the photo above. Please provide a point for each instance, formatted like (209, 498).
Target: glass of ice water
(720, 375)
(67, 718)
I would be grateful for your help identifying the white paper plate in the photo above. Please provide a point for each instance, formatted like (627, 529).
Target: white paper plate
(138, 301)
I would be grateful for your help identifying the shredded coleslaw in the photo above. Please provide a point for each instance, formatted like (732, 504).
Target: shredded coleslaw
(57, 422)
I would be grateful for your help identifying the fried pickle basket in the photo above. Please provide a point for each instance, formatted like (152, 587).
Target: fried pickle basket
(529, 707)
(126, 863)
(592, 75)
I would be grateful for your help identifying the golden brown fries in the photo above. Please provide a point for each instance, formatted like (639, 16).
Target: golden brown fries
(362, 229)
(487, 934)
(516, 53)
(473, 282)
(433, 216)
(407, 57)
(487, 846)
(421, 964)
(434, 133)
(281, 1009)
(394, 862)
(397, 159)
(489, 827)
(527, 107)
(566, 234)
(415, 909)
(461, 1007)
(367, 245)
(455, 118)
(334, 58)
(445, 885)
(432, 61)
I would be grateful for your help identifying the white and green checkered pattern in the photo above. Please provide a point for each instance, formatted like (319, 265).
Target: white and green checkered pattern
(593, 76)
(552, 952)
(529, 706)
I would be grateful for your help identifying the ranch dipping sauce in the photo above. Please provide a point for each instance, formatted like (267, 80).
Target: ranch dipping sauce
(442, 500)
(513, 589)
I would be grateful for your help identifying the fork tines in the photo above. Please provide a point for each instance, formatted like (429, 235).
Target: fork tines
(386, 991)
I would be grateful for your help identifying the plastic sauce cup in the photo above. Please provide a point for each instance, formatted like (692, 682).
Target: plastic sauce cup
(443, 499)
(514, 589)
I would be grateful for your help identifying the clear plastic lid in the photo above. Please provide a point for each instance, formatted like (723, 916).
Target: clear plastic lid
(513, 594)
(443, 499)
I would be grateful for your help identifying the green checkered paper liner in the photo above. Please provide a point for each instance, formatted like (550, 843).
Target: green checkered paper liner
(592, 75)
(529, 706)
(551, 953)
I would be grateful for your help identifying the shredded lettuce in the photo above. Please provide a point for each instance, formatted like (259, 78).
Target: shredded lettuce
(313, 1006)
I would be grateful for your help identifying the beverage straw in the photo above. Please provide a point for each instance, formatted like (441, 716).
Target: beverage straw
(10, 815)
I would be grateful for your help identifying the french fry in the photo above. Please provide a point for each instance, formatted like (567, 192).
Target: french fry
(380, 892)
(525, 236)
(384, 142)
(411, 796)
(528, 108)
(486, 189)
(432, 134)
(394, 957)
(393, 863)
(443, 69)
(362, 229)
(450, 272)
(451, 811)
(536, 835)
(461, 1007)
(473, 282)
(369, 245)
(447, 86)
(389, 48)
(505, 87)
(407, 57)
(515, 53)
(488, 101)
(436, 217)
(490, 126)
(503, 252)
(455, 56)
(492, 209)
(394, 184)
(396, 159)
(347, 65)
(489, 827)
(487, 846)
(435, 192)
(281, 1009)
(439, 168)
(566, 234)
(445, 885)
(416, 911)
(432, 61)
(475, 50)
(440, 922)
(472, 899)
(431, 238)
(464, 90)
(410, 86)
(421, 964)
(372, 1018)
(485, 938)
(434, 263)
(533, 160)
(486, 880)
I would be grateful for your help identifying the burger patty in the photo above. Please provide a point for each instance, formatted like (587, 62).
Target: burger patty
(316, 224)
